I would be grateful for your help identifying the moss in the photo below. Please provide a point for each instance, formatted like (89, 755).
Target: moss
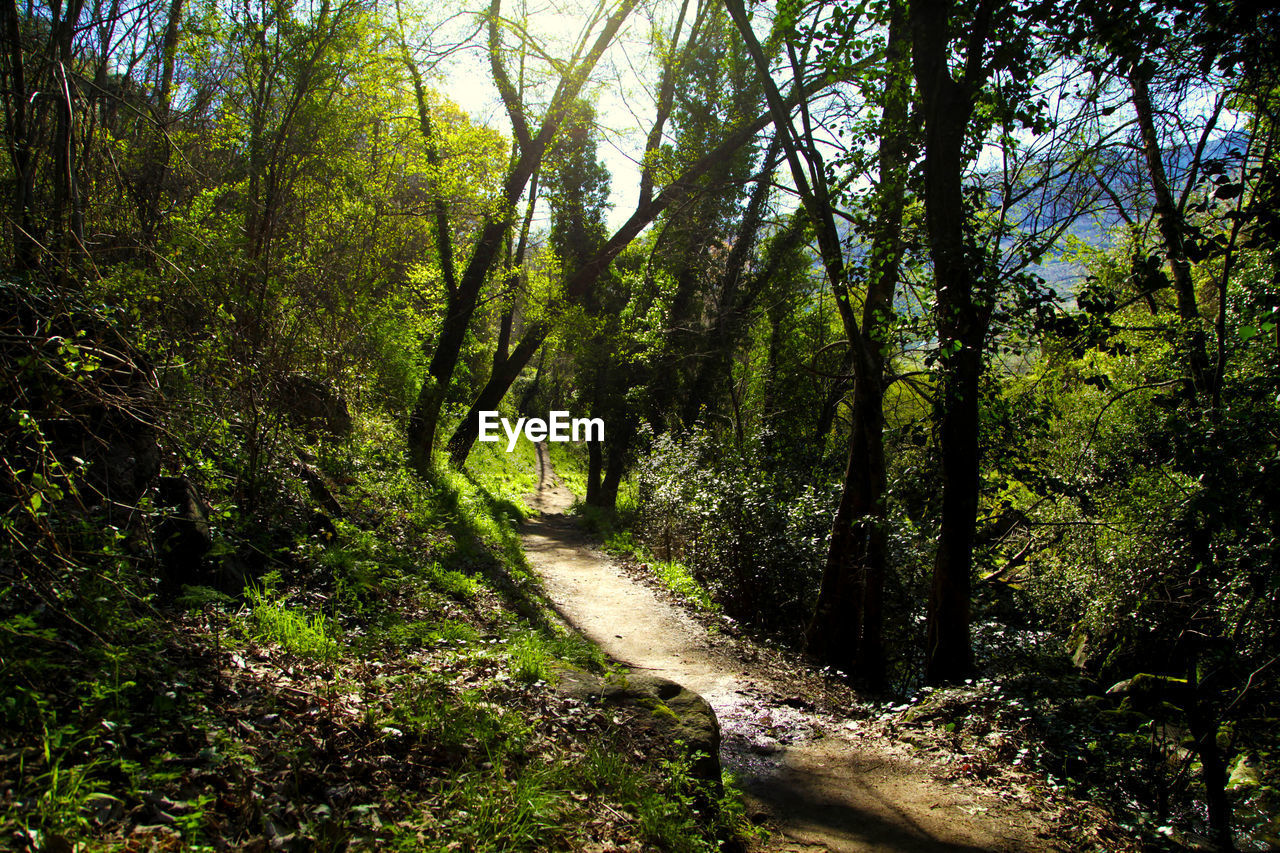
(661, 710)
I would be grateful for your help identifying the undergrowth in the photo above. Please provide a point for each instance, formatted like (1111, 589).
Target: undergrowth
(371, 670)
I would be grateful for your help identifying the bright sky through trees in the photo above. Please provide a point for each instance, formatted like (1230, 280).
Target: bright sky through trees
(621, 89)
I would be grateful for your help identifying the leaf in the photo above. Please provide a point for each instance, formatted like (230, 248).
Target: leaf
(36, 501)
(1246, 332)
(1228, 191)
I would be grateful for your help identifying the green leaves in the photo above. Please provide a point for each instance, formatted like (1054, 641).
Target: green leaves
(1248, 331)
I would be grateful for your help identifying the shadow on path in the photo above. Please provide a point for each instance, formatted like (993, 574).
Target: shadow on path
(824, 786)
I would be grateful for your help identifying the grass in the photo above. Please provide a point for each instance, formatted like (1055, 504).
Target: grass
(385, 687)
(676, 577)
(570, 463)
(305, 634)
(505, 477)
(530, 659)
(672, 574)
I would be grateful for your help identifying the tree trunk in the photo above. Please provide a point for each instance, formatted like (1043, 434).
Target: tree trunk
(735, 298)
(426, 413)
(595, 463)
(947, 649)
(847, 626)
(152, 194)
(835, 630)
(619, 452)
(460, 306)
(424, 420)
(962, 322)
(1173, 234)
(18, 101)
(1203, 723)
(68, 210)
(495, 388)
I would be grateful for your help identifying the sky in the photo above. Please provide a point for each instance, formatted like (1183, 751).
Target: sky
(621, 88)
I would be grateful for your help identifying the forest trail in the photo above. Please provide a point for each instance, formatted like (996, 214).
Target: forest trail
(826, 784)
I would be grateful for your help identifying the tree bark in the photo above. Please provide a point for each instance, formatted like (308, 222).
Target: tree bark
(619, 447)
(581, 282)
(17, 121)
(846, 628)
(962, 321)
(735, 298)
(1173, 235)
(595, 465)
(152, 194)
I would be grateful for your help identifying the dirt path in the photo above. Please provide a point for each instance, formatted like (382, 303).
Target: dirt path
(826, 784)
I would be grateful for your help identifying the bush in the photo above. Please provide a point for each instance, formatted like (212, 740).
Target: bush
(755, 541)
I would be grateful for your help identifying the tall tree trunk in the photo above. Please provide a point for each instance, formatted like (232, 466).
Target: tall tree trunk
(68, 213)
(424, 419)
(595, 465)
(1173, 234)
(575, 290)
(618, 446)
(17, 123)
(834, 632)
(847, 629)
(735, 299)
(152, 194)
(1202, 722)
(948, 655)
(962, 321)
(495, 388)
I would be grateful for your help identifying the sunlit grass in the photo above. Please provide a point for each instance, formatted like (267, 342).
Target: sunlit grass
(306, 634)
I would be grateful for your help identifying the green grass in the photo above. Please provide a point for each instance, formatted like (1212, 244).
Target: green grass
(505, 477)
(570, 462)
(672, 574)
(423, 633)
(529, 659)
(405, 622)
(676, 577)
(306, 634)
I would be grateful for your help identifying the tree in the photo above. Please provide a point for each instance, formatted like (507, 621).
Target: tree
(463, 292)
(846, 627)
(649, 206)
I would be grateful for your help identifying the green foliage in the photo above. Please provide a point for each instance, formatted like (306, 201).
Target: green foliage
(754, 545)
(677, 578)
(211, 219)
(570, 463)
(530, 660)
(300, 633)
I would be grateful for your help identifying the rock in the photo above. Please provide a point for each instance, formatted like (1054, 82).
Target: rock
(322, 526)
(1146, 689)
(182, 536)
(1083, 651)
(664, 707)
(1246, 773)
(798, 702)
(91, 396)
(121, 451)
(232, 573)
(313, 405)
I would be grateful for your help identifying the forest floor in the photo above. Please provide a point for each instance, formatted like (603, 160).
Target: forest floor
(821, 778)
